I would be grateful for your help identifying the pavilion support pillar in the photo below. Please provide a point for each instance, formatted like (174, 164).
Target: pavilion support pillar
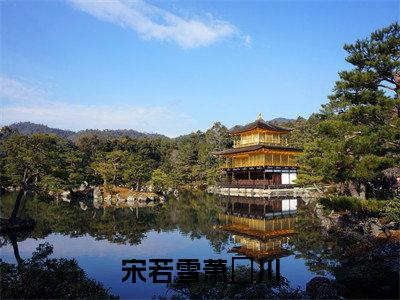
(261, 274)
(269, 269)
(248, 172)
(249, 208)
(278, 269)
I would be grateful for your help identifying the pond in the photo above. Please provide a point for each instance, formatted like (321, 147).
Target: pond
(277, 233)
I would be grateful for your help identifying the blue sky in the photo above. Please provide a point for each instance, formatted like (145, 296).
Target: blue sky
(174, 67)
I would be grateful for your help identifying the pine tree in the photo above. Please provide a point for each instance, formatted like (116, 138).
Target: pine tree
(360, 136)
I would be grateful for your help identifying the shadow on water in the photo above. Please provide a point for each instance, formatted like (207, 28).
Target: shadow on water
(41, 277)
(274, 232)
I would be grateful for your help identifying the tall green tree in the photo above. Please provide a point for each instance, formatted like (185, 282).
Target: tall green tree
(360, 136)
(215, 139)
(109, 165)
(37, 161)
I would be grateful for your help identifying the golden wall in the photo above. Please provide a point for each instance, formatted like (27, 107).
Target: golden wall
(249, 139)
(261, 159)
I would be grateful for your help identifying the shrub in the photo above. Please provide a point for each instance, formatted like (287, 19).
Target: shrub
(391, 210)
(372, 206)
(341, 203)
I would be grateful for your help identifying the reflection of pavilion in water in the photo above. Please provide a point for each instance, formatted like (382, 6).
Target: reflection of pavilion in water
(262, 228)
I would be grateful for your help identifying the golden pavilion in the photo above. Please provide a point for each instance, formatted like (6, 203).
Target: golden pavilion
(260, 156)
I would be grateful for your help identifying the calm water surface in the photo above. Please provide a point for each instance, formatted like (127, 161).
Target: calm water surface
(191, 226)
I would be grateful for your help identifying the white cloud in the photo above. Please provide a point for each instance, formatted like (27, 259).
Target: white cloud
(13, 89)
(152, 22)
(61, 114)
(247, 40)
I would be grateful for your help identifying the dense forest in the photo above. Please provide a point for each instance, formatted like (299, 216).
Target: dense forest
(54, 162)
(352, 143)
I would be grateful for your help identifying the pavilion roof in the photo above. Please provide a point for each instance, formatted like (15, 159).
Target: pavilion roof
(259, 123)
(256, 147)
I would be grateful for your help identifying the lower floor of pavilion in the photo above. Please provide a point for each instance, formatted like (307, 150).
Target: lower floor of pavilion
(260, 176)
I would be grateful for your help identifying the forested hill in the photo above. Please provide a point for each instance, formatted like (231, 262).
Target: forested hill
(281, 121)
(29, 128)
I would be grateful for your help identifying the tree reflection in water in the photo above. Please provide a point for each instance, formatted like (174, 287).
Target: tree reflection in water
(204, 216)
(194, 215)
(363, 266)
(267, 289)
(41, 277)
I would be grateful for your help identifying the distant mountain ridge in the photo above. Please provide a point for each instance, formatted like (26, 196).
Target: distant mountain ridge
(29, 128)
(281, 121)
(277, 121)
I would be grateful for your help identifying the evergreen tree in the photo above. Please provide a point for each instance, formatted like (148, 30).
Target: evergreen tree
(360, 136)
(37, 161)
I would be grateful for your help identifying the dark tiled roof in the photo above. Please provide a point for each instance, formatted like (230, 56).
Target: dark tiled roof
(258, 123)
(256, 147)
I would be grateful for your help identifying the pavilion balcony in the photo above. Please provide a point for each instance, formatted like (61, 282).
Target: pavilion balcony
(255, 183)
(268, 143)
(233, 165)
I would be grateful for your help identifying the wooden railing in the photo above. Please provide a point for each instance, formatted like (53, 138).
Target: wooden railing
(257, 164)
(239, 145)
(267, 184)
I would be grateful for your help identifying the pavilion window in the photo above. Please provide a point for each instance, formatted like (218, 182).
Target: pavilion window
(285, 159)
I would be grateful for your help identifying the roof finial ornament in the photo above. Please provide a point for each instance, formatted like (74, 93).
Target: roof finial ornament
(260, 117)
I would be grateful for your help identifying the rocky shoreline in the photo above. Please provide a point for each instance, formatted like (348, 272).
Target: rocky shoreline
(100, 196)
(353, 222)
(378, 243)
